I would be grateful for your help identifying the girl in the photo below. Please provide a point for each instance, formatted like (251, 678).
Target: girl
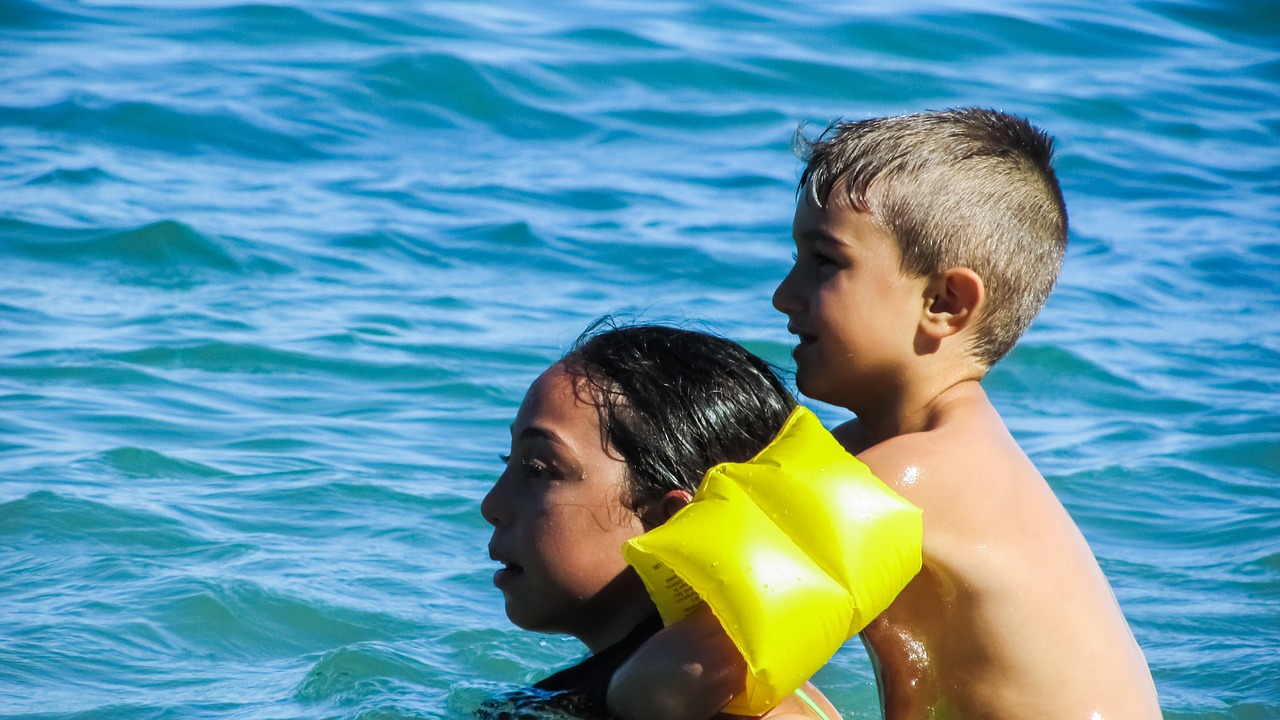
(609, 442)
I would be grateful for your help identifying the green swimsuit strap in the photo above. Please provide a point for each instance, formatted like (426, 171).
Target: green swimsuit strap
(813, 705)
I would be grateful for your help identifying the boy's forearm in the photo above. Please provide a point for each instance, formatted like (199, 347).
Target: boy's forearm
(688, 671)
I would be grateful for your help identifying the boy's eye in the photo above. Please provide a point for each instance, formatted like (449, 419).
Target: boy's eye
(818, 258)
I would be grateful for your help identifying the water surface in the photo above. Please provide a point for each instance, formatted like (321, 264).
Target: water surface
(275, 276)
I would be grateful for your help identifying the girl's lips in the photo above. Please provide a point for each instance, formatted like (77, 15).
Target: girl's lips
(509, 571)
(507, 575)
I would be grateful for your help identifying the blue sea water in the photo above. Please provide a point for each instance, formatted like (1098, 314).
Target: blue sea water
(274, 278)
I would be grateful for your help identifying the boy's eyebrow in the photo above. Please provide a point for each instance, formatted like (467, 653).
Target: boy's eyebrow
(822, 236)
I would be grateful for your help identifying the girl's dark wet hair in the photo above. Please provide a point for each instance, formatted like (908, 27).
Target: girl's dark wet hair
(673, 403)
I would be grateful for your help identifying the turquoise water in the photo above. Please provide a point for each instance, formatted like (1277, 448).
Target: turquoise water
(274, 277)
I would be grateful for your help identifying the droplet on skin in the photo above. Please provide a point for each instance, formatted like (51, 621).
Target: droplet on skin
(911, 475)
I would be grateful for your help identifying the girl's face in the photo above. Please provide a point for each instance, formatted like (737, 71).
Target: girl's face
(560, 517)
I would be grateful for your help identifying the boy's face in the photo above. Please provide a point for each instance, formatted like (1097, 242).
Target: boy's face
(855, 313)
(559, 521)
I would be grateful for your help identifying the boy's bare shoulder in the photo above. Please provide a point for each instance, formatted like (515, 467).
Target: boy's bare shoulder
(960, 447)
(980, 630)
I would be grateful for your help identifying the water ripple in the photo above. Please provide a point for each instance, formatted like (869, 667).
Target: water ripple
(274, 278)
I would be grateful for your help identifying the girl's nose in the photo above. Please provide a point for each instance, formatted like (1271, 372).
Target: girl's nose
(491, 505)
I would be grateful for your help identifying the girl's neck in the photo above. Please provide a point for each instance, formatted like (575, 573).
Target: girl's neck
(619, 619)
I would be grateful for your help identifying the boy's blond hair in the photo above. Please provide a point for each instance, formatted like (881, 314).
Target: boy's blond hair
(965, 187)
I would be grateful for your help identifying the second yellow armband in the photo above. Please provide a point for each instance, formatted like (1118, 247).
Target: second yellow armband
(795, 551)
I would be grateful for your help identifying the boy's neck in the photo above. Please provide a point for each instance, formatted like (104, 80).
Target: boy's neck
(914, 403)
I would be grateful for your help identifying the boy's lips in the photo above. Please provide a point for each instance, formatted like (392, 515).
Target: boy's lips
(804, 338)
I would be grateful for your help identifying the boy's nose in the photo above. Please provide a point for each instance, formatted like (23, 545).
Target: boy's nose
(784, 298)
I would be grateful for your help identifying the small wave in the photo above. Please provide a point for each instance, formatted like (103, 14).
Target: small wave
(224, 357)
(159, 127)
(1247, 21)
(1050, 374)
(401, 244)
(140, 462)
(53, 517)
(166, 253)
(258, 24)
(60, 367)
(27, 15)
(363, 670)
(241, 618)
(166, 243)
(442, 90)
(74, 177)
(613, 40)
(514, 235)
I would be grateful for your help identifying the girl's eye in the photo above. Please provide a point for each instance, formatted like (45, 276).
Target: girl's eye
(535, 468)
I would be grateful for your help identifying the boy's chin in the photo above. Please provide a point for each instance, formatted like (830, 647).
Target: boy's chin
(807, 382)
(823, 392)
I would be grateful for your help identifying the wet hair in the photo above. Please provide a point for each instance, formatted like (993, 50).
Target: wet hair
(674, 402)
(966, 187)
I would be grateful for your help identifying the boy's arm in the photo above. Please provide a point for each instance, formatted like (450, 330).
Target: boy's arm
(688, 671)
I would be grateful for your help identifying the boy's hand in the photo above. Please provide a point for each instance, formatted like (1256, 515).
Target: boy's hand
(688, 671)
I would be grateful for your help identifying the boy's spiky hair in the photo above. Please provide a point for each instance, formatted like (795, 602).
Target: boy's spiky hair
(966, 187)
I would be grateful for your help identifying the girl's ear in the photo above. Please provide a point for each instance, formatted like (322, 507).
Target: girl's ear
(658, 511)
(673, 501)
(955, 298)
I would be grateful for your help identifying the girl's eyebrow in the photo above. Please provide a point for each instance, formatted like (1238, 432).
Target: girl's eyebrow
(536, 433)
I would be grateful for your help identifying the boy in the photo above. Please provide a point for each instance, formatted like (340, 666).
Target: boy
(925, 245)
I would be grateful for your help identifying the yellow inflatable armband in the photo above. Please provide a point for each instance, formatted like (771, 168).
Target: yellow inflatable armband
(795, 551)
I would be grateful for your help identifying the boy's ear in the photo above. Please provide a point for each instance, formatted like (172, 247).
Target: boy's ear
(657, 512)
(954, 298)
